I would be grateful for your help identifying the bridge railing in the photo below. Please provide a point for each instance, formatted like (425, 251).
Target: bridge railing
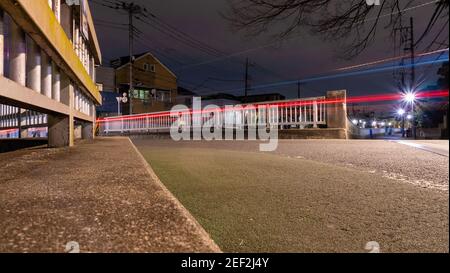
(299, 113)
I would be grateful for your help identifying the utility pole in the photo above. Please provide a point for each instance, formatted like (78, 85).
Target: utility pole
(407, 45)
(412, 49)
(246, 78)
(130, 30)
(413, 72)
(132, 9)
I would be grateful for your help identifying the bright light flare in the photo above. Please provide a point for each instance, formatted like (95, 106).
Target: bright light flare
(409, 97)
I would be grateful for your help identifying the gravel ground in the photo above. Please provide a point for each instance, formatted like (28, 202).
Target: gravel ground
(309, 196)
(99, 194)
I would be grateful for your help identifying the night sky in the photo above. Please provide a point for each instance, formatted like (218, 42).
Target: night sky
(303, 56)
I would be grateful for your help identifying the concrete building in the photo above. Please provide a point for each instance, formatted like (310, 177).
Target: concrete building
(106, 79)
(48, 54)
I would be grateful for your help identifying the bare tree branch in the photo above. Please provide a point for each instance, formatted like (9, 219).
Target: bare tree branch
(331, 19)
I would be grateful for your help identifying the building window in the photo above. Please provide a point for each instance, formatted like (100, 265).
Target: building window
(149, 67)
(163, 96)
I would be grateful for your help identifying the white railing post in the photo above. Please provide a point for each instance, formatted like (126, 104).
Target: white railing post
(315, 114)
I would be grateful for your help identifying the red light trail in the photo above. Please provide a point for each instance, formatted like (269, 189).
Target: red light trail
(356, 99)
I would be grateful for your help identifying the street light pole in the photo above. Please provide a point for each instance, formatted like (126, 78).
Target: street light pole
(130, 15)
(246, 78)
(403, 125)
(414, 128)
(119, 100)
(413, 73)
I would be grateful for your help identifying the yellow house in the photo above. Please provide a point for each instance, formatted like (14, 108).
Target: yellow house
(154, 85)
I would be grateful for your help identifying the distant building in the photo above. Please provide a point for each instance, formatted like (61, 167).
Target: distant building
(106, 83)
(261, 98)
(106, 78)
(154, 85)
(220, 99)
(184, 96)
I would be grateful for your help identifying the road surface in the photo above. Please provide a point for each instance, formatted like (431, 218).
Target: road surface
(309, 195)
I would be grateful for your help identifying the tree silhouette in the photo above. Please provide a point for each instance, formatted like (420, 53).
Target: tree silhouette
(331, 19)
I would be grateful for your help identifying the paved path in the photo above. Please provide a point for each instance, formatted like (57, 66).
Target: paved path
(309, 195)
(389, 159)
(101, 195)
(439, 147)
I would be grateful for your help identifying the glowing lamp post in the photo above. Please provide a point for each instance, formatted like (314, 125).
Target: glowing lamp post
(401, 113)
(410, 98)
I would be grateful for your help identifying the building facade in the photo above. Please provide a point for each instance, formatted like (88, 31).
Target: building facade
(154, 85)
(48, 54)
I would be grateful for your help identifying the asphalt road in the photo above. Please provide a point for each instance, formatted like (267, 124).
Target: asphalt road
(422, 163)
(310, 195)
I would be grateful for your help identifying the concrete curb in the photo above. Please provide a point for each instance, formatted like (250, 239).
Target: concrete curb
(204, 235)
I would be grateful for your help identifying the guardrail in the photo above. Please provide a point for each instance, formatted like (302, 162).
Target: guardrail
(299, 113)
(9, 118)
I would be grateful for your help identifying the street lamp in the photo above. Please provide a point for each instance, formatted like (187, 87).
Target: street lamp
(401, 113)
(409, 117)
(123, 99)
(410, 98)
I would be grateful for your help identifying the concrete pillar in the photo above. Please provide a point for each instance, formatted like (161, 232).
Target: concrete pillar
(93, 76)
(56, 84)
(46, 75)
(66, 21)
(87, 130)
(337, 109)
(66, 89)
(58, 131)
(57, 9)
(315, 114)
(33, 65)
(67, 97)
(23, 133)
(17, 55)
(2, 43)
(77, 40)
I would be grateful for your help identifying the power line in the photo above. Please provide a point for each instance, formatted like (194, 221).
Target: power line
(335, 76)
(238, 53)
(174, 33)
